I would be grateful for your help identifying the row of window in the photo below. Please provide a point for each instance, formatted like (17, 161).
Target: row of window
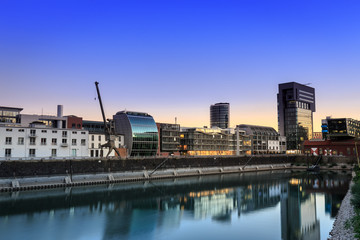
(43, 141)
(33, 131)
(32, 152)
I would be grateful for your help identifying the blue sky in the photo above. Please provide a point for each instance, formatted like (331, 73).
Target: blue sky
(176, 58)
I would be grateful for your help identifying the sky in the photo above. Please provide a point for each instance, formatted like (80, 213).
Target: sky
(175, 58)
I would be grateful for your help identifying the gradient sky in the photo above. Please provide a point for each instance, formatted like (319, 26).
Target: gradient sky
(175, 58)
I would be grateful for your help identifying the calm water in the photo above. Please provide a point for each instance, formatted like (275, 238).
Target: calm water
(278, 205)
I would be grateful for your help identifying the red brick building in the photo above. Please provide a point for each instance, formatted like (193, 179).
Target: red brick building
(332, 147)
(74, 122)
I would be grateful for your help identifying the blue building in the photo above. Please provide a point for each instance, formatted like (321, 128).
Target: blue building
(141, 136)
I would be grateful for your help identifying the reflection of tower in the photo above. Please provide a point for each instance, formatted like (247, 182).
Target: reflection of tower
(131, 219)
(298, 215)
(218, 206)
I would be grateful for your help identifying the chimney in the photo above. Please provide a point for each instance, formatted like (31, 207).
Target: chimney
(60, 110)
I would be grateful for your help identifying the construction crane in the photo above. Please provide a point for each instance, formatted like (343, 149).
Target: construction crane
(110, 138)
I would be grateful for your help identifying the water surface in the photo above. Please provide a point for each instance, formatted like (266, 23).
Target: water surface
(265, 205)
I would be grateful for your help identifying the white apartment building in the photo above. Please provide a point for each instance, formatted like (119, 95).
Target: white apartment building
(41, 142)
(98, 139)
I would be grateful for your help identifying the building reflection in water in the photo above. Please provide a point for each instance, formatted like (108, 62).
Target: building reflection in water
(142, 215)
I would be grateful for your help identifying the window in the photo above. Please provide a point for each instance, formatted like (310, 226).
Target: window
(92, 145)
(32, 141)
(9, 129)
(73, 142)
(8, 140)
(64, 133)
(31, 152)
(53, 152)
(53, 141)
(99, 137)
(32, 132)
(54, 131)
(74, 132)
(64, 141)
(43, 141)
(74, 152)
(92, 137)
(99, 145)
(92, 153)
(20, 141)
(21, 130)
(43, 131)
(83, 132)
(83, 142)
(7, 152)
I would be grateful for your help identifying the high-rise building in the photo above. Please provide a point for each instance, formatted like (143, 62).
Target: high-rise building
(296, 104)
(220, 115)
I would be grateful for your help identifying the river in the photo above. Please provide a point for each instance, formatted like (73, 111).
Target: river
(259, 205)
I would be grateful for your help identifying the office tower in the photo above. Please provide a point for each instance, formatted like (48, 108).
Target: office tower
(296, 104)
(220, 115)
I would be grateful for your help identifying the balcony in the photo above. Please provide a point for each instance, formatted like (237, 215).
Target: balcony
(64, 145)
(32, 135)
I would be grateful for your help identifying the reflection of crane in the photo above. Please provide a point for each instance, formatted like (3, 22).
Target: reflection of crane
(110, 138)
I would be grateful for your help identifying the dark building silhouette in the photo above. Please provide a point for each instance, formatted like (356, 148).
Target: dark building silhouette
(296, 104)
(220, 115)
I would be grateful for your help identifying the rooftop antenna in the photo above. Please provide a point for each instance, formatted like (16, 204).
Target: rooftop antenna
(108, 136)
(307, 84)
(175, 120)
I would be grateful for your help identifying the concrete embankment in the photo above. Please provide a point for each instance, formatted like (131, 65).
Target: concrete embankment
(43, 182)
(28, 175)
(11, 169)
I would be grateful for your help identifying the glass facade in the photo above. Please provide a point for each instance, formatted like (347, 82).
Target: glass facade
(140, 133)
(145, 136)
(219, 115)
(342, 127)
(296, 104)
(298, 126)
(9, 115)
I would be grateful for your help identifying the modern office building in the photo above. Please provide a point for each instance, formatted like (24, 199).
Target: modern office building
(265, 140)
(9, 115)
(212, 141)
(205, 141)
(169, 139)
(139, 131)
(220, 115)
(296, 104)
(340, 128)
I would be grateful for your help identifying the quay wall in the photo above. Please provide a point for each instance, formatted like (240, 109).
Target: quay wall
(11, 169)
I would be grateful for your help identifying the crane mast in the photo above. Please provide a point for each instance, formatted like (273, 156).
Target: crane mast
(106, 128)
(109, 137)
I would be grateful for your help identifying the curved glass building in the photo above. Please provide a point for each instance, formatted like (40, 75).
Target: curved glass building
(220, 115)
(140, 132)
